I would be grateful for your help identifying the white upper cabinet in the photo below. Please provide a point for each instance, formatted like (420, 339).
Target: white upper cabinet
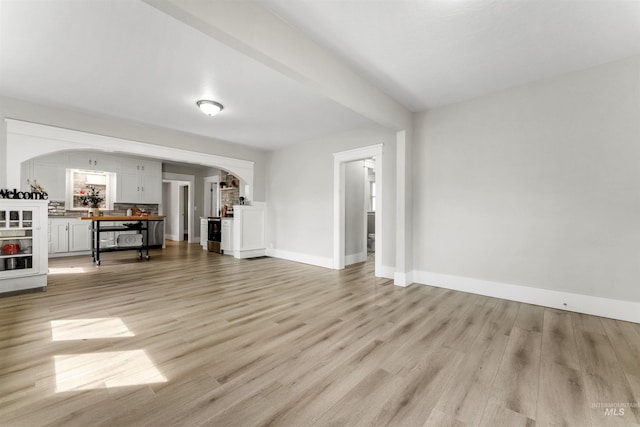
(49, 172)
(152, 182)
(52, 178)
(139, 181)
(91, 160)
(128, 182)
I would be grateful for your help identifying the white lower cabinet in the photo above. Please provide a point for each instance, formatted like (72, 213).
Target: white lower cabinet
(58, 236)
(68, 236)
(204, 230)
(226, 231)
(248, 231)
(79, 236)
(243, 235)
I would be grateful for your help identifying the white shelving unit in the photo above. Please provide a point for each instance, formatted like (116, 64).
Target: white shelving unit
(23, 244)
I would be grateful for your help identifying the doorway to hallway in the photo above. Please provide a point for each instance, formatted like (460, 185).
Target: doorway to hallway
(340, 161)
(178, 206)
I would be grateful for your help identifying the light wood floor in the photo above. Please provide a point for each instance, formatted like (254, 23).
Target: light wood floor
(193, 338)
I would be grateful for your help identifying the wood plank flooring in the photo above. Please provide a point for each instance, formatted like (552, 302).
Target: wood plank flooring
(193, 338)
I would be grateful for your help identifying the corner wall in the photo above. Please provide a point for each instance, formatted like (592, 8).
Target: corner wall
(537, 186)
(300, 196)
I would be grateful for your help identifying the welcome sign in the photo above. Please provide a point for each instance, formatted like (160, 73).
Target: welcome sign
(23, 195)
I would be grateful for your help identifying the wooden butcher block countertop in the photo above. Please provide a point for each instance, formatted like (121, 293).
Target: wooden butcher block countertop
(123, 218)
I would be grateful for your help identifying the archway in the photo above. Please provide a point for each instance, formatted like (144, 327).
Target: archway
(28, 140)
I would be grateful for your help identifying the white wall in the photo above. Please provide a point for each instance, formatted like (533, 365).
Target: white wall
(299, 194)
(536, 186)
(355, 249)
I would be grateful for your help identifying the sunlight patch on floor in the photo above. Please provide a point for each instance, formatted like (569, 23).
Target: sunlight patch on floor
(81, 329)
(105, 370)
(67, 270)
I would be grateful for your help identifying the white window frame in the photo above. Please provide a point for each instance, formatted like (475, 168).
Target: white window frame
(110, 191)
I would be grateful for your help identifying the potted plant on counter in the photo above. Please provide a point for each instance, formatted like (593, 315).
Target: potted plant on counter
(91, 198)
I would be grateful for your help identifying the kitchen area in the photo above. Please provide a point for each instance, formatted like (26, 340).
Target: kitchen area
(131, 188)
(238, 228)
(84, 184)
(56, 176)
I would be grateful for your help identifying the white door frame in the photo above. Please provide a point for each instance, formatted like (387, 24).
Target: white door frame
(368, 164)
(188, 180)
(207, 195)
(339, 161)
(179, 210)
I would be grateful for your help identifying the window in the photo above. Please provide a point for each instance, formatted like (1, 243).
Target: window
(80, 180)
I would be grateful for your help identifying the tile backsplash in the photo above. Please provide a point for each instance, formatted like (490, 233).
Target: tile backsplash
(57, 208)
(121, 208)
(229, 191)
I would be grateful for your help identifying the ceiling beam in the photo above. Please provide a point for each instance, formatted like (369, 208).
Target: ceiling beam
(248, 28)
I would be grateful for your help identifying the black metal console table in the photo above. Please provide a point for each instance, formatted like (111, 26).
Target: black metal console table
(127, 223)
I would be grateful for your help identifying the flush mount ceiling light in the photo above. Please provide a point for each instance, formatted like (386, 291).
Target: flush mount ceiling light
(210, 108)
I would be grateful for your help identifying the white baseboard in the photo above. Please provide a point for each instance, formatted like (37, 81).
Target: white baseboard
(355, 258)
(403, 279)
(253, 253)
(597, 306)
(302, 258)
(387, 272)
(171, 237)
(64, 254)
(16, 284)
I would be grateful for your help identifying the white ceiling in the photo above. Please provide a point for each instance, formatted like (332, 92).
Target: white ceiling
(427, 53)
(127, 59)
